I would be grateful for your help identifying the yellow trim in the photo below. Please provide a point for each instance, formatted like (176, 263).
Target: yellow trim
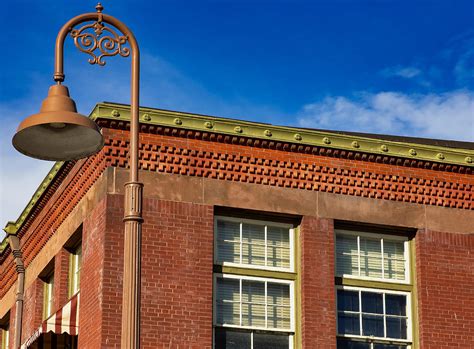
(344, 281)
(48, 297)
(414, 294)
(255, 272)
(72, 275)
(298, 338)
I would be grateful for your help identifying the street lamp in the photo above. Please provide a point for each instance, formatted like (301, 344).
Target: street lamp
(59, 133)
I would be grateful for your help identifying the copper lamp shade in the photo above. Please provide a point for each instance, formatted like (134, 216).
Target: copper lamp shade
(58, 132)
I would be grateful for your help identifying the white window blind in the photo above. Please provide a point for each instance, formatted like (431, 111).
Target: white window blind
(249, 303)
(253, 243)
(372, 257)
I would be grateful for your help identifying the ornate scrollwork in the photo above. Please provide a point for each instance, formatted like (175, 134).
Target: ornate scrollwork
(100, 41)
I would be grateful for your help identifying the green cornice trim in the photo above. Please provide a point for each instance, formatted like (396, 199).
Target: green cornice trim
(4, 244)
(119, 112)
(13, 227)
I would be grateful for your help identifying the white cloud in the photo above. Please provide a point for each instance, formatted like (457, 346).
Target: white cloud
(443, 116)
(402, 72)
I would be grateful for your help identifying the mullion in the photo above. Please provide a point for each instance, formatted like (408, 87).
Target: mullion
(360, 313)
(384, 311)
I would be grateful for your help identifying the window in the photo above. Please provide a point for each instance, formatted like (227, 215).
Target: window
(254, 244)
(360, 255)
(381, 314)
(254, 293)
(256, 303)
(75, 270)
(373, 291)
(48, 288)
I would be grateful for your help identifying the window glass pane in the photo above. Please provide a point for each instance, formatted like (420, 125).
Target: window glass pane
(372, 303)
(253, 303)
(349, 344)
(270, 341)
(228, 302)
(396, 327)
(372, 325)
(228, 241)
(395, 304)
(278, 306)
(278, 247)
(394, 259)
(253, 244)
(370, 257)
(348, 300)
(346, 255)
(348, 323)
(226, 339)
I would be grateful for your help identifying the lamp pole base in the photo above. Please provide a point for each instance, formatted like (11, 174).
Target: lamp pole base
(132, 266)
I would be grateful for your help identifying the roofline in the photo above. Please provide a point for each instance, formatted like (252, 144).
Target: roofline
(405, 147)
(361, 142)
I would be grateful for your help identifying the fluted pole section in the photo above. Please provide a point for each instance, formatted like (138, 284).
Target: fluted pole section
(132, 267)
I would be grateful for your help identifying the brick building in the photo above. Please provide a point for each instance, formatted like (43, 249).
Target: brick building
(255, 236)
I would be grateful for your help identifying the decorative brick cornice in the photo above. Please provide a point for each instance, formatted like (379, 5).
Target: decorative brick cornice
(287, 146)
(316, 171)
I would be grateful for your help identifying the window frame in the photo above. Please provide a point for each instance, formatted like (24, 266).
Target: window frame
(291, 232)
(48, 296)
(74, 272)
(381, 237)
(291, 285)
(408, 341)
(5, 337)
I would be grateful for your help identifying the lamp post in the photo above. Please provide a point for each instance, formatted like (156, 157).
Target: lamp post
(59, 133)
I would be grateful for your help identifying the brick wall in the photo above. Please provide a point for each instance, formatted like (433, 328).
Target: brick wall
(93, 299)
(445, 278)
(177, 275)
(61, 274)
(318, 307)
(32, 309)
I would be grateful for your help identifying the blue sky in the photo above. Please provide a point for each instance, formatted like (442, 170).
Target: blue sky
(396, 67)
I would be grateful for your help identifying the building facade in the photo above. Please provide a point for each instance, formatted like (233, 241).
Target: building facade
(254, 236)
